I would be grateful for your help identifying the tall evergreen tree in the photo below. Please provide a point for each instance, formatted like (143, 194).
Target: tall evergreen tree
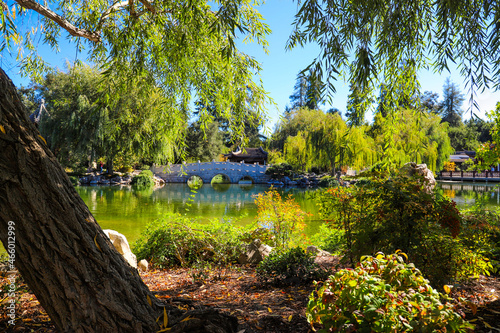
(451, 106)
(307, 91)
(429, 102)
(299, 96)
(314, 90)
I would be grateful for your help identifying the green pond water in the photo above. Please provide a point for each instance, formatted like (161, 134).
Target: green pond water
(128, 210)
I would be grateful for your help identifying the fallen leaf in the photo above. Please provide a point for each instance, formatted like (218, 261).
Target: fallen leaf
(95, 241)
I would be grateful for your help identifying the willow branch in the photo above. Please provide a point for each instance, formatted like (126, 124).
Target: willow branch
(62, 22)
(148, 5)
(110, 10)
(3, 6)
(131, 8)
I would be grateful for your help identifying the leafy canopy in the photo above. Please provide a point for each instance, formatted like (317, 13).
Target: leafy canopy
(372, 40)
(185, 47)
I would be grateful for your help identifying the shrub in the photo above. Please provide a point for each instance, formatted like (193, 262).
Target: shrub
(292, 266)
(74, 180)
(280, 170)
(387, 215)
(144, 179)
(329, 239)
(126, 169)
(382, 294)
(179, 241)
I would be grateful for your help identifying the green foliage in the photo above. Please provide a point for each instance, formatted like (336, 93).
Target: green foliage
(382, 294)
(283, 218)
(74, 180)
(292, 266)
(411, 136)
(205, 143)
(451, 107)
(90, 116)
(329, 239)
(295, 151)
(280, 170)
(187, 48)
(144, 179)
(195, 182)
(363, 43)
(396, 214)
(488, 153)
(275, 157)
(481, 238)
(179, 241)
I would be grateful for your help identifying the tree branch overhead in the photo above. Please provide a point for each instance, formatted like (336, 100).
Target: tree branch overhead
(61, 21)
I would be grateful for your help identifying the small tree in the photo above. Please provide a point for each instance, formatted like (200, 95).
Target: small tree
(282, 217)
(449, 166)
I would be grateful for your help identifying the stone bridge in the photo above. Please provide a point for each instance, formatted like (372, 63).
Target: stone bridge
(180, 173)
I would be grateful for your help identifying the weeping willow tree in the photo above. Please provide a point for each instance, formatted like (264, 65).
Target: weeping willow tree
(410, 136)
(296, 151)
(328, 140)
(361, 152)
(91, 116)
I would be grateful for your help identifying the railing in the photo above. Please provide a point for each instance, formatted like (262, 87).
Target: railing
(210, 166)
(470, 175)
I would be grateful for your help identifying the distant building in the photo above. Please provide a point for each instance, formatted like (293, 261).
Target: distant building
(248, 155)
(461, 156)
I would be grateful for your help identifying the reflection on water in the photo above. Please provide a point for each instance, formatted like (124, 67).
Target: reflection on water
(128, 210)
(465, 193)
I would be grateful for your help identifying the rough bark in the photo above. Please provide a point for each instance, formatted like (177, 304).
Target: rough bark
(83, 283)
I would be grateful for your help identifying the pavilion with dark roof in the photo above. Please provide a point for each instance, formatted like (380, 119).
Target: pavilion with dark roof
(248, 155)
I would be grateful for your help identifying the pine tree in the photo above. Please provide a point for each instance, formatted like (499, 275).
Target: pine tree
(451, 106)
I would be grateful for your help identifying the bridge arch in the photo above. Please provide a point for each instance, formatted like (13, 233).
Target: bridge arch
(221, 178)
(194, 181)
(245, 179)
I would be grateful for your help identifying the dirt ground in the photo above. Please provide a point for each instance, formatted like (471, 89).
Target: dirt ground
(258, 307)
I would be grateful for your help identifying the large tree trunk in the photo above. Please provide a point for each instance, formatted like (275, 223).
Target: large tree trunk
(82, 282)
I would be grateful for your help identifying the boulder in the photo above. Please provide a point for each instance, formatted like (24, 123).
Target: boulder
(121, 245)
(412, 169)
(254, 252)
(317, 252)
(143, 265)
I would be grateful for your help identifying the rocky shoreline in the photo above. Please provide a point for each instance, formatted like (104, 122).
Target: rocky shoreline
(116, 179)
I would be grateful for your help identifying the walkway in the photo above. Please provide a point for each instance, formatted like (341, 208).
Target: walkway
(484, 176)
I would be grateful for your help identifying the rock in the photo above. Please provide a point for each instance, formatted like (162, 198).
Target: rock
(84, 180)
(317, 251)
(254, 253)
(143, 265)
(412, 169)
(158, 181)
(121, 245)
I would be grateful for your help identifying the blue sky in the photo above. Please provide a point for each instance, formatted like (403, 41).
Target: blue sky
(280, 67)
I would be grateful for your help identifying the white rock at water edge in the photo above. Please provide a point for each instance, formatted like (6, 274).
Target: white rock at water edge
(121, 245)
